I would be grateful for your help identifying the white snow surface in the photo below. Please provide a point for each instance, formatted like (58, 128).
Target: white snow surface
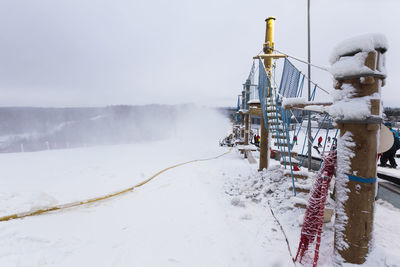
(350, 66)
(271, 190)
(288, 101)
(364, 43)
(254, 101)
(209, 213)
(312, 105)
(345, 107)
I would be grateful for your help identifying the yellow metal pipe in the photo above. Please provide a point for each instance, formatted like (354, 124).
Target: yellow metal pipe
(269, 43)
(269, 37)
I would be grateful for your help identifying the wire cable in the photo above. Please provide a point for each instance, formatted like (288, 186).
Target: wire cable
(303, 61)
(283, 232)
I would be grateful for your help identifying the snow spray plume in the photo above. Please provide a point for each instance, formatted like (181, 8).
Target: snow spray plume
(313, 219)
(198, 126)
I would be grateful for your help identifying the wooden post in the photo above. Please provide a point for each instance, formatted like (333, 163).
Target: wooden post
(268, 49)
(236, 126)
(242, 126)
(354, 220)
(246, 131)
(246, 115)
(242, 116)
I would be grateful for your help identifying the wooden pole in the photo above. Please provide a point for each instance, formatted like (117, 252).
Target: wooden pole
(354, 220)
(247, 115)
(246, 131)
(268, 49)
(238, 121)
(242, 126)
(242, 115)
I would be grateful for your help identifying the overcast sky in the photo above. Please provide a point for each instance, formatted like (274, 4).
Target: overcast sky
(103, 52)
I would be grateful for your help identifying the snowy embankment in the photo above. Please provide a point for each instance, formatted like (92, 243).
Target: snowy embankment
(271, 190)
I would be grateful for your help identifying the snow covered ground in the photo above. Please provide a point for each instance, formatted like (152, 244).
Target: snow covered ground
(210, 213)
(271, 190)
(182, 218)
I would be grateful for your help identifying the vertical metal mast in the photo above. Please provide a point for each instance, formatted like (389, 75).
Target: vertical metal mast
(268, 49)
(309, 86)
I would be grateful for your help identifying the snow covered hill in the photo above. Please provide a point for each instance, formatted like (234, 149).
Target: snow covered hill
(34, 129)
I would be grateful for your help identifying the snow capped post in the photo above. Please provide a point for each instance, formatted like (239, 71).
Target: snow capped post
(358, 68)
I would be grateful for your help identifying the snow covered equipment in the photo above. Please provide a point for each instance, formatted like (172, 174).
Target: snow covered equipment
(314, 217)
(227, 141)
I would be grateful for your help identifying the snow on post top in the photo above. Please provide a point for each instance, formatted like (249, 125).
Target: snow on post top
(362, 43)
(348, 58)
(254, 101)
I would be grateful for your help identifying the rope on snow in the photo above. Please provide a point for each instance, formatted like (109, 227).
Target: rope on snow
(97, 199)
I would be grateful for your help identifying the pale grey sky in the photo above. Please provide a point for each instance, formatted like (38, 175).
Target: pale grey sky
(102, 52)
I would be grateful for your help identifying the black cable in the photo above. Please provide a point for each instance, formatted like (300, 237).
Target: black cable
(283, 231)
